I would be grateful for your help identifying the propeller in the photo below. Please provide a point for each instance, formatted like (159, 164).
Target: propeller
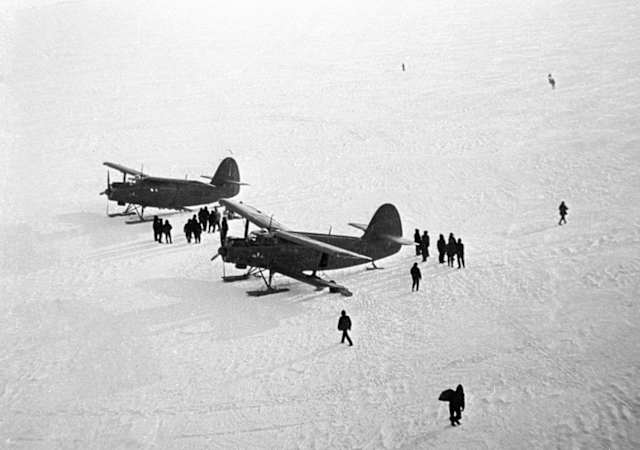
(107, 191)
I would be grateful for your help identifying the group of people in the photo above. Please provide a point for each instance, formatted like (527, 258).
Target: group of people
(451, 249)
(205, 220)
(162, 229)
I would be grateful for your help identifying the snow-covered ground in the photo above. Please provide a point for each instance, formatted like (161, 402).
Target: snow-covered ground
(108, 340)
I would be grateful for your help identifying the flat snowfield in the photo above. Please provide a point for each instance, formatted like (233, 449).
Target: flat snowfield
(109, 340)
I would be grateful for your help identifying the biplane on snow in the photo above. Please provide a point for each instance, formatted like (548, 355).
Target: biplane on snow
(139, 190)
(299, 255)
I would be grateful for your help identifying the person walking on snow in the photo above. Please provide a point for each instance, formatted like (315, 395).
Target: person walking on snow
(442, 249)
(416, 276)
(224, 228)
(418, 240)
(425, 245)
(460, 253)
(344, 325)
(456, 406)
(157, 229)
(166, 229)
(187, 231)
(563, 212)
(451, 249)
(552, 82)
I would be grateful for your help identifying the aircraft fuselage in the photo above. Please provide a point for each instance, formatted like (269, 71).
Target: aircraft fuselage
(168, 193)
(270, 252)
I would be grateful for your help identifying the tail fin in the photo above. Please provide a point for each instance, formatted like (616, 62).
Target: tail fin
(227, 177)
(385, 224)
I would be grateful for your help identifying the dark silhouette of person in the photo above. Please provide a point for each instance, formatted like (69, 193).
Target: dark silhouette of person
(203, 215)
(418, 240)
(451, 249)
(216, 218)
(212, 221)
(224, 228)
(456, 406)
(552, 82)
(403, 67)
(344, 325)
(425, 245)
(166, 230)
(442, 249)
(157, 229)
(563, 212)
(416, 276)
(460, 253)
(187, 230)
(197, 231)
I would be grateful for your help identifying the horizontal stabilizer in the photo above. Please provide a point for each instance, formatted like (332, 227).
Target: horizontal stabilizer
(318, 245)
(235, 183)
(359, 226)
(398, 240)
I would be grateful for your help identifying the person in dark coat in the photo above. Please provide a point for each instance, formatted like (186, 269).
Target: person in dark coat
(166, 230)
(344, 325)
(224, 228)
(552, 82)
(425, 245)
(157, 229)
(456, 406)
(563, 212)
(187, 230)
(197, 231)
(442, 249)
(418, 240)
(460, 253)
(451, 249)
(416, 276)
(203, 215)
(214, 220)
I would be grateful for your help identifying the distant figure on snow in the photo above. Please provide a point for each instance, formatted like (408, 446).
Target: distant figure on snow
(418, 240)
(187, 231)
(403, 67)
(166, 230)
(214, 219)
(425, 245)
(224, 228)
(442, 249)
(157, 229)
(460, 253)
(456, 406)
(416, 276)
(552, 82)
(563, 212)
(344, 325)
(451, 249)
(203, 217)
(197, 230)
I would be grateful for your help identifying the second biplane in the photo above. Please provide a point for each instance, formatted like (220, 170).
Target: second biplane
(277, 249)
(139, 190)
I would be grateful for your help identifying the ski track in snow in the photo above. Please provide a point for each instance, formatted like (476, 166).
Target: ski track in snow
(110, 340)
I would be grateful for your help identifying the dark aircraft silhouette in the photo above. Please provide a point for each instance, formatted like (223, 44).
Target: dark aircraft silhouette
(291, 253)
(139, 190)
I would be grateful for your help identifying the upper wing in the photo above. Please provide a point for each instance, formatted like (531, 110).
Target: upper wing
(124, 169)
(252, 214)
(318, 245)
